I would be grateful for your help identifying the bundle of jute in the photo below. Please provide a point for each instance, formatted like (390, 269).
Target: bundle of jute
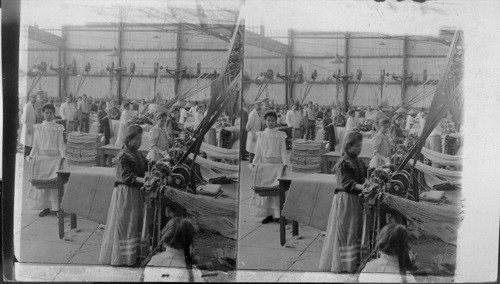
(442, 159)
(454, 176)
(219, 153)
(210, 213)
(441, 221)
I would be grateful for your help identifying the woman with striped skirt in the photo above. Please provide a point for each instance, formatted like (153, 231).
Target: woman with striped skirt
(123, 243)
(341, 246)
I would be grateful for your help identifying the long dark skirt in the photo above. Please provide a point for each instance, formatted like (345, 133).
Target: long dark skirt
(341, 246)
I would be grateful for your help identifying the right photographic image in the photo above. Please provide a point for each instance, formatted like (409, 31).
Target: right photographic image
(353, 152)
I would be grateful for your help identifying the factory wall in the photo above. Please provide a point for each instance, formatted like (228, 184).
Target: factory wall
(369, 53)
(142, 45)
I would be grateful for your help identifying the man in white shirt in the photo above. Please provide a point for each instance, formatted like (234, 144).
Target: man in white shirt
(28, 119)
(254, 125)
(152, 107)
(409, 121)
(294, 120)
(193, 108)
(68, 112)
(310, 113)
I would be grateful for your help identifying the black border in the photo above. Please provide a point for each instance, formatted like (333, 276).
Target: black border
(10, 69)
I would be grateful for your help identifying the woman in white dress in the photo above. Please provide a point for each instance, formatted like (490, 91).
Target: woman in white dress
(125, 119)
(46, 159)
(381, 145)
(160, 140)
(349, 126)
(270, 149)
(394, 261)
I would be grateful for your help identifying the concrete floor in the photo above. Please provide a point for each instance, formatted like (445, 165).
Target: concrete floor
(259, 245)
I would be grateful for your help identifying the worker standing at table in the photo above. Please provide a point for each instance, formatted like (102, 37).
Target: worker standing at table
(173, 128)
(45, 159)
(69, 113)
(294, 120)
(104, 123)
(160, 140)
(270, 149)
(341, 247)
(310, 113)
(350, 125)
(381, 145)
(114, 112)
(122, 243)
(330, 130)
(254, 124)
(28, 119)
(396, 135)
(84, 108)
(125, 119)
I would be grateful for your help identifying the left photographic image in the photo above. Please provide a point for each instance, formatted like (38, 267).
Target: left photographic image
(128, 141)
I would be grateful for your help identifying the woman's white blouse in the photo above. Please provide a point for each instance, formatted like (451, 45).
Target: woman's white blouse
(48, 137)
(271, 143)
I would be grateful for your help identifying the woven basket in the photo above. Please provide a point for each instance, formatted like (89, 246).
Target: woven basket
(267, 191)
(44, 184)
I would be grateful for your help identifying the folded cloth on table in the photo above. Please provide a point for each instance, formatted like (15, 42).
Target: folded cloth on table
(209, 189)
(310, 199)
(89, 192)
(44, 171)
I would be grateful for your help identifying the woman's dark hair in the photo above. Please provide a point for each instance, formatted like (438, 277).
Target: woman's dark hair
(102, 104)
(352, 139)
(352, 112)
(383, 122)
(125, 105)
(160, 115)
(272, 114)
(179, 234)
(49, 106)
(131, 132)
(327, 111)
(393, 241)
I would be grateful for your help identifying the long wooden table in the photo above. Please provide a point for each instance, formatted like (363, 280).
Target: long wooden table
(109, 152)
(62, 179)
(329, 159)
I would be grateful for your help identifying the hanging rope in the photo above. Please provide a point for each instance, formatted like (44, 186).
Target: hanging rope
(442, 159)
(441, 221)
(437, 172)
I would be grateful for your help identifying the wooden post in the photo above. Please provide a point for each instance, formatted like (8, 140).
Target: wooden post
(178, 61)
(62, 62)
(287, 95)
(404, 71)
(290, 64)
(119, 63)
(346, 52)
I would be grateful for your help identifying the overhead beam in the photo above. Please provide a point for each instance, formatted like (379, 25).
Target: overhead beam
(266, 43)
(45, 37)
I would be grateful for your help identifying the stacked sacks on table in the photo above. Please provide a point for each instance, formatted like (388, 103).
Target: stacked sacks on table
(81, 149)
(306, 156)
